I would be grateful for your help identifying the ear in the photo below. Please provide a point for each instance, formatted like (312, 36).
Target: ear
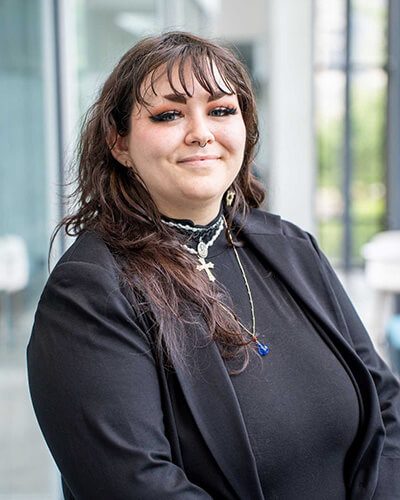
(118, 145)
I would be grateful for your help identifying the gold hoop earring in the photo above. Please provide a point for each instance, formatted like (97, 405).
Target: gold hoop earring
(230, 196)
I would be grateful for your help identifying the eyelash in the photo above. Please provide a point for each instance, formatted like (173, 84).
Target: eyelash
(161, 117)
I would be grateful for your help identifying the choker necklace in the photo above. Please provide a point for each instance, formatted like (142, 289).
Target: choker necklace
(203, 237)
(261, 348)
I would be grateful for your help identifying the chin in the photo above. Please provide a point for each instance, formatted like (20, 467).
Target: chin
(206, 190)
(204, 196)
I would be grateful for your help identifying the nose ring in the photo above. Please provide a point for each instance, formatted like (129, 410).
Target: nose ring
(204, 145)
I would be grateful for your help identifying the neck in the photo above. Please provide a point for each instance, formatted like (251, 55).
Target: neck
(200, 217)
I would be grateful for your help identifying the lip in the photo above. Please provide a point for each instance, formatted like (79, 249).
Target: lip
(198, 159)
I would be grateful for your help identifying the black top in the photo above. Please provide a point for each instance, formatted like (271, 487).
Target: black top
(296, 457)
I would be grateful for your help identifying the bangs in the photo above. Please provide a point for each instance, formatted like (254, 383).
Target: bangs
(211, 72)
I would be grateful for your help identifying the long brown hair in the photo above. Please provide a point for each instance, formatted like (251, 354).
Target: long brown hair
(112, 201)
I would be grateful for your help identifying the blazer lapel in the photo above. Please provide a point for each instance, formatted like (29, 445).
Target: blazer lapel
(298, 267)
(215, 408)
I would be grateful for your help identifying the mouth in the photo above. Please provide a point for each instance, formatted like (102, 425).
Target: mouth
(199, 160)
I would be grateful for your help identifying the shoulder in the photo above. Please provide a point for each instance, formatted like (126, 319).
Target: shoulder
(87, 264)
(259, 221)
(86, 281)
(88, 249)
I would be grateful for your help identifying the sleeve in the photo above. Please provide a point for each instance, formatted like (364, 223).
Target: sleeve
(94, 387)
(386, 383)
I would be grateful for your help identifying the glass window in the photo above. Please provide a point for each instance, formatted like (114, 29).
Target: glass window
(365, 110)
(368, 187)
(104, 31)
(330, 30)
(193, 17)
(369, 32)
(329, 90)
(329, 118)
(25, 463)
(369, 81)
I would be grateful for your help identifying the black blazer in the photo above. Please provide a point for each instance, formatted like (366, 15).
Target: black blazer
(121, 426)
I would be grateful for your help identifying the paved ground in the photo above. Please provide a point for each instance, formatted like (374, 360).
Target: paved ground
(27, 471)
(26, 468)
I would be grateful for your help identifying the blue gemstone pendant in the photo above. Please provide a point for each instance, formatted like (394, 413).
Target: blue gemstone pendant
(262, 348)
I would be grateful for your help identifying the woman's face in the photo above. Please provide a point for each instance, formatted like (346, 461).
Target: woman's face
(163, 146)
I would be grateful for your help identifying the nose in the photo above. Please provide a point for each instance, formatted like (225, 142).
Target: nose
(199, 132)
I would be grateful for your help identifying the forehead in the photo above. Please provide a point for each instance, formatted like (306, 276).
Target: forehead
(183, 79)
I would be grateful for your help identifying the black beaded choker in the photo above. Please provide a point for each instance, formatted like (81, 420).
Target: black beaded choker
(195, 232)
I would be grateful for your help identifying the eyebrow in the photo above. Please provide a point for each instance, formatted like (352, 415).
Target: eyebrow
(182, 99)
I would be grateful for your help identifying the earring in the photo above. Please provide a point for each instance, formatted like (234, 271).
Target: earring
(230, 196)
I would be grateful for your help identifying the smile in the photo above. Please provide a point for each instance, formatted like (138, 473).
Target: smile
(202, 160)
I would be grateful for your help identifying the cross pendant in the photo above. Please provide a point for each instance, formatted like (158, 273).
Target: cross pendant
(206, 266)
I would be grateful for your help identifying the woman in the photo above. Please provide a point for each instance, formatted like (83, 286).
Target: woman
(189, 345)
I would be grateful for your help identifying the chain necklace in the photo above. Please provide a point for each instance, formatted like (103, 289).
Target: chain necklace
(202, 247)
(202, 252)
(261, 348)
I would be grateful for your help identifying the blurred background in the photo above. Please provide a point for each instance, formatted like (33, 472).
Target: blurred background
(326, 75)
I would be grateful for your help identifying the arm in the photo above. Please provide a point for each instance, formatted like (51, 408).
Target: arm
(95, 391)
(387, 385)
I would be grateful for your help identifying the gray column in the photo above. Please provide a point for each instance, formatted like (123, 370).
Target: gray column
(292, 172)
(393, 146)
(393, 130)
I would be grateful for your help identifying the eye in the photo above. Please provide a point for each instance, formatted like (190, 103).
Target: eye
(223, 111)
(166, 116)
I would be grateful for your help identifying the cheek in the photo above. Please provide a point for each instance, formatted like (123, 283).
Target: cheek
(234, 138)
(142, 143)
(148, 143)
